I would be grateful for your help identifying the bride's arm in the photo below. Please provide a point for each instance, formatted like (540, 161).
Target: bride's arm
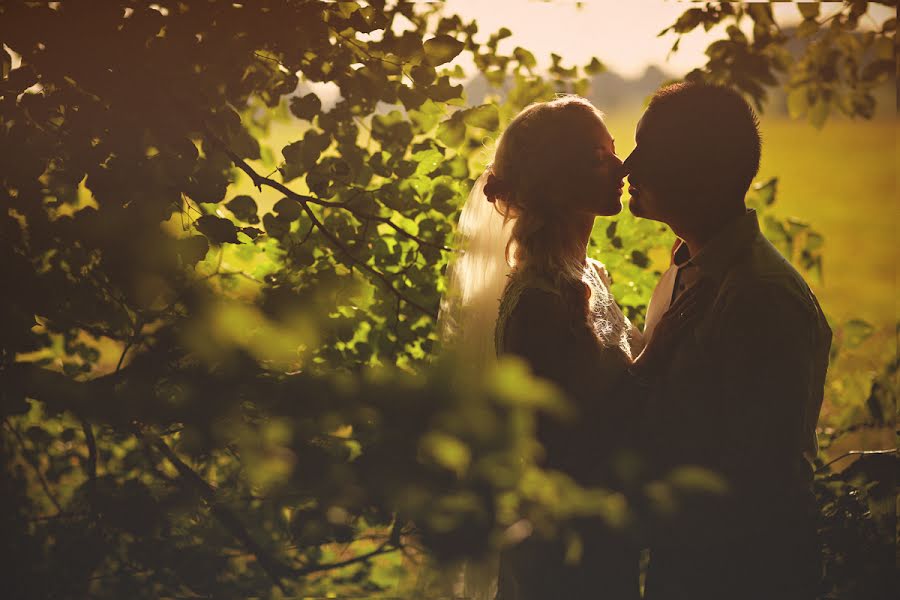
(540, 330)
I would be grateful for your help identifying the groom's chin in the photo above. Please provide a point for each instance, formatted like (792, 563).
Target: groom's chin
(634, 207)
(613, 208)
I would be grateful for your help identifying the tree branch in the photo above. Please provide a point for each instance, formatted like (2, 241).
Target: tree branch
(304, 201)
(275, 569)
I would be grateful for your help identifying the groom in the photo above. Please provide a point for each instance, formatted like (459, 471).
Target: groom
(742, 389)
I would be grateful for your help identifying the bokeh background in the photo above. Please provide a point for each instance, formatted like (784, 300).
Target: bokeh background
(224, 248)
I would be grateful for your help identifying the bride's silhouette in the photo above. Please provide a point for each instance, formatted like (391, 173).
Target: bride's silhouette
(524, 277)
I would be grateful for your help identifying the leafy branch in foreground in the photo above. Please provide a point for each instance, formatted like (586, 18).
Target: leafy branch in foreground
(827, 63)
(217, 388)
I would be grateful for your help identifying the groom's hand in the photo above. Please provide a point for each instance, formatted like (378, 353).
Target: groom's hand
(682, 315)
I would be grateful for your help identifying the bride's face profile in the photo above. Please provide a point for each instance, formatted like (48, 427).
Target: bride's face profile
(596, 181)
(558, 158)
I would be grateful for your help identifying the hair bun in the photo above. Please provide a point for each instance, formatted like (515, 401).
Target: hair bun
(494, 188)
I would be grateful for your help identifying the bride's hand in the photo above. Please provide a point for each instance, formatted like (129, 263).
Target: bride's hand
(683, 314)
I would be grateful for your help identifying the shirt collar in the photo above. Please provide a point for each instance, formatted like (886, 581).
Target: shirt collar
(719, 252)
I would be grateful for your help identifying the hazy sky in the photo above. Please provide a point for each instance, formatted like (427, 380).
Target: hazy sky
(621, 33)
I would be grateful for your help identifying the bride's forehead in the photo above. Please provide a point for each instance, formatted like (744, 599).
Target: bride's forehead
(594, 129)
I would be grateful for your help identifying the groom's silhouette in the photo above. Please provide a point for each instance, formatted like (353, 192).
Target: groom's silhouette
(742, 390)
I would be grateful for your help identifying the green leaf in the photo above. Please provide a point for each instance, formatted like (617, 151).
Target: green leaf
(442, 49)
(640, 259)
(688, 20)
(392, 130)
(736, 35)
(818, 113)
(444, 91)
(426, 117)
(884, 48)
(809, 10)
(452, 132)
(446, 451)
(5, 63)
(244, 208)
(275, 226)
(217, 229)
(300, 157)
(485, 116)
(595, 67)
(428, 161)
(346, 9)
(305, 107)
(193, 249)
(807, 28)
(423, 74)
(798, 102)
(766, 191)
(855, 332)
(287, 209)
(410, 97)
(525, 58)
(252, 232)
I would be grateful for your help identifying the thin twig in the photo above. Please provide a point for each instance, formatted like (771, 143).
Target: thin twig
(855, 453)
(384, 548)
(91, 442)
(32, 461)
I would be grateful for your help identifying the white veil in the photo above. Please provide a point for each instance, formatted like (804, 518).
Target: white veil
(476, 277)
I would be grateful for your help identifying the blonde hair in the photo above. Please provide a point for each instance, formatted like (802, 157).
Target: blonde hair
(524, 184)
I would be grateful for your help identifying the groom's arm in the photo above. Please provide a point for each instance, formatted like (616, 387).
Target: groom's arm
(767, 371)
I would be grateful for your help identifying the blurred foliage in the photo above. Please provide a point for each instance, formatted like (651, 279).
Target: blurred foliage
(832, 62)
(206, 392)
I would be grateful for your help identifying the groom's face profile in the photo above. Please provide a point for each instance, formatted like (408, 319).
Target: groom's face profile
(697, 151)
(644, 191)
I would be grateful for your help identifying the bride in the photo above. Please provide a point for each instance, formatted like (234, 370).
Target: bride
(523, 275)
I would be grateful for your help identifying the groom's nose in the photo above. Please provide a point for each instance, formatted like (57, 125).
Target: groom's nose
(632, 163)
(629, 162)
(619, 171)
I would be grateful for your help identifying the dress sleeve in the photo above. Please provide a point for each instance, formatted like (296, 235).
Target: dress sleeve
(546, 332)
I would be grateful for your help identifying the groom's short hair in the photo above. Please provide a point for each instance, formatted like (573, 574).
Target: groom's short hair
(706, 138)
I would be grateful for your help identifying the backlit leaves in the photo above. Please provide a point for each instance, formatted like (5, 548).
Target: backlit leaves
(244, 208)
(217, 229)
(305, 107)
(441, 49)
(156, 299)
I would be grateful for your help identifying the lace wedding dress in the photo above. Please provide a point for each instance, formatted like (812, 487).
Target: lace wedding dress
(586, 353)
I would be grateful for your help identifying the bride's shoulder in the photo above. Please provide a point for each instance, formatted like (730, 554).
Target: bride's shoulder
(600, 270)
(522, 281)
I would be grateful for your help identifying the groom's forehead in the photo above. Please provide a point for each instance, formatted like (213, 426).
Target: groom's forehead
(653, 130)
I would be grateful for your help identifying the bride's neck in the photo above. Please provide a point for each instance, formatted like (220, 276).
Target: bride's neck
(582, 226)
(562, 249)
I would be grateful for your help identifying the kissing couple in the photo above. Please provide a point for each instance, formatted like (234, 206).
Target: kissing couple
(727, 374)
